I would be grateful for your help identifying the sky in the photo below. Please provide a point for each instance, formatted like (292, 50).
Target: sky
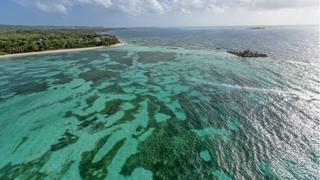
(159, 13)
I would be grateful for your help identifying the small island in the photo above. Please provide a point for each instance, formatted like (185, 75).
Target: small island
(247, 53)
(257, 28)
(25, 40)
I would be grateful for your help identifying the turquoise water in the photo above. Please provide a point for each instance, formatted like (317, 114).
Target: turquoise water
(158, 108)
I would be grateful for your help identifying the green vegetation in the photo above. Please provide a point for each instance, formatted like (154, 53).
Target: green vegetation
(23, 39)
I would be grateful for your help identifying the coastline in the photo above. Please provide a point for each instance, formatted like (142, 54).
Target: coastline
(58, 51)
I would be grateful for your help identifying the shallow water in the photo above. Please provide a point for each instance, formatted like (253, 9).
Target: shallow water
(158, 108)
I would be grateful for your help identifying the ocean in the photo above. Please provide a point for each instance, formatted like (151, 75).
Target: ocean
(169, 104)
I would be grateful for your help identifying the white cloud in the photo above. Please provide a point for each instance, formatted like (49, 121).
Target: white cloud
(285, 4)
(104, 3)
(61, 8)
(139, 7)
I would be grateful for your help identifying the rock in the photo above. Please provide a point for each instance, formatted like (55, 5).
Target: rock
(247, 53)
(257, 28)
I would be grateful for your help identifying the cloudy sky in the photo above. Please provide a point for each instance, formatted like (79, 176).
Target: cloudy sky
(124, 13)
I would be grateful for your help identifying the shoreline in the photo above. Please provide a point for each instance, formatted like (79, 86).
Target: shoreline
(58, 51)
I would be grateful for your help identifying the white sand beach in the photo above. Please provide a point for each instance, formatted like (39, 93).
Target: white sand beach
(58, 51)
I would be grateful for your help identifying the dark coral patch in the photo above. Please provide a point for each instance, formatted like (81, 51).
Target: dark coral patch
(64, 141)
(112, 89)
(112, 107)
(166, 156)
(98, 170)
(62, 79)
(87, 122)
(90, 100)
(96, 127)
(32, 87)
(126, 61)
(155, 57)
(22, 141)
(117, 67)
(28, 170)
(96, 75)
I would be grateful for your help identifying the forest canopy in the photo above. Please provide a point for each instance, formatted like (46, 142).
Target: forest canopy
(22, 39)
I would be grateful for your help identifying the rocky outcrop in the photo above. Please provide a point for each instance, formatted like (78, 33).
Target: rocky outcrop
(247, 53)
(257, 28)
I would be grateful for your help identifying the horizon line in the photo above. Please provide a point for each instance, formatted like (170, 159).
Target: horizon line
(196, 26)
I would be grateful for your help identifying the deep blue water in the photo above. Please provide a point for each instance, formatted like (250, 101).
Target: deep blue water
(284, 43)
